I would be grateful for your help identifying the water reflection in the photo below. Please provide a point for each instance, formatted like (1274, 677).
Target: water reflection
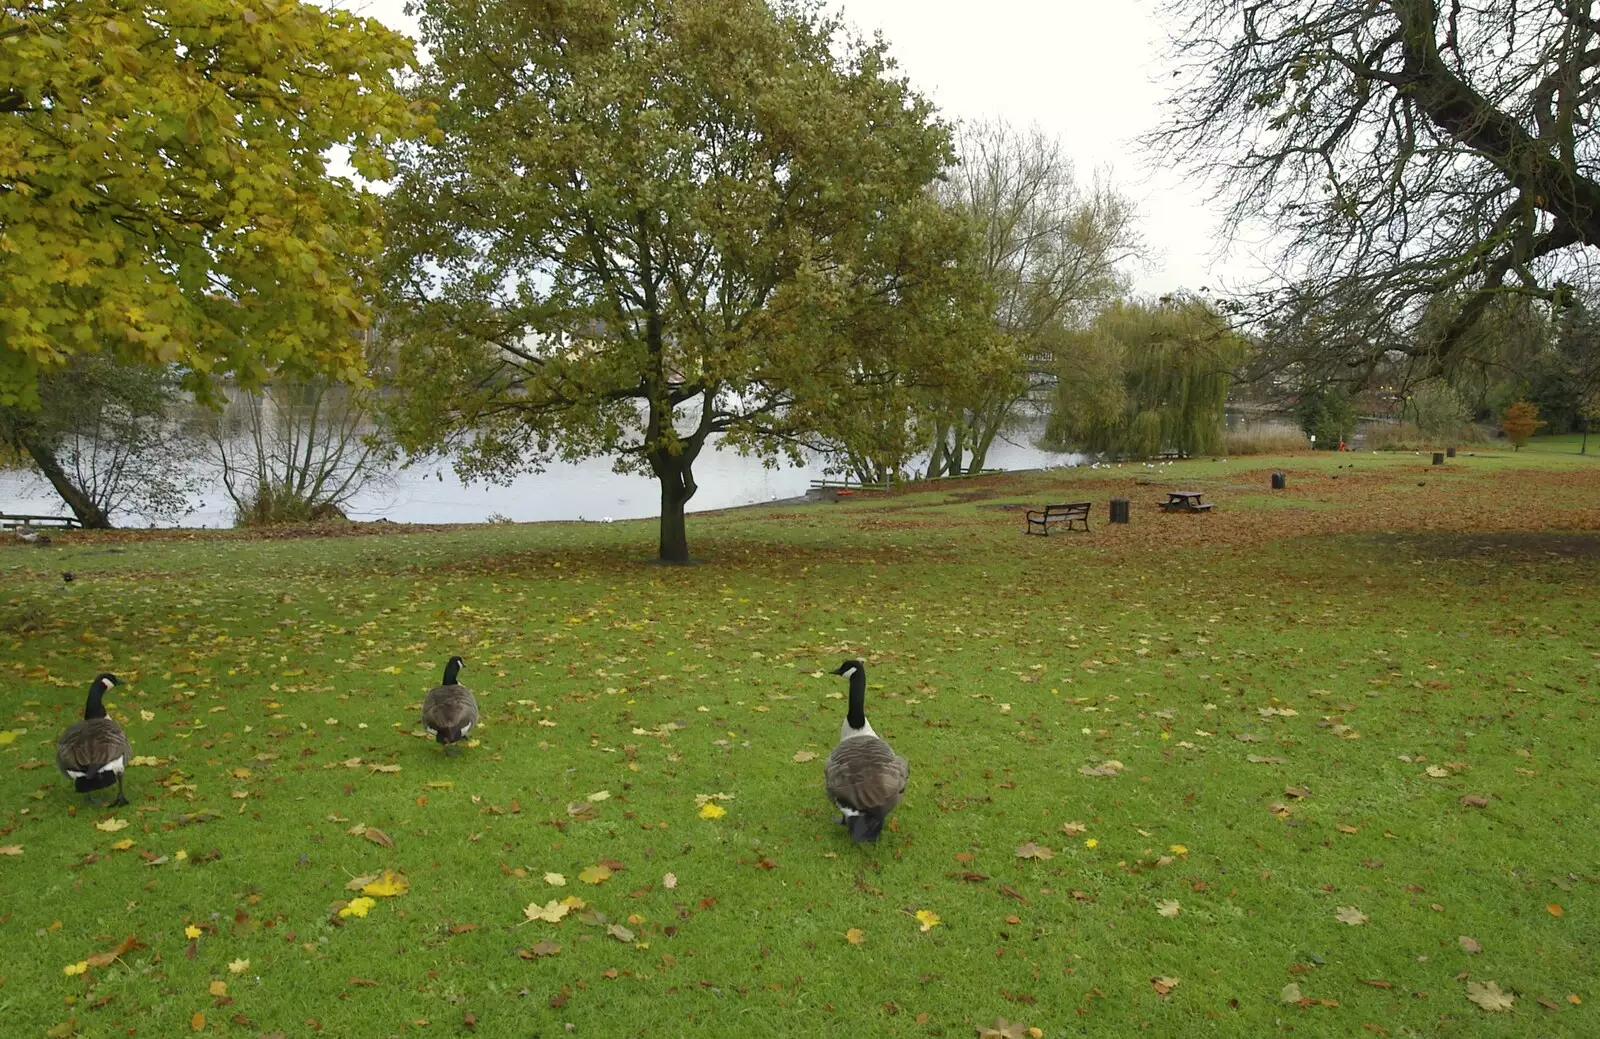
(566, 491)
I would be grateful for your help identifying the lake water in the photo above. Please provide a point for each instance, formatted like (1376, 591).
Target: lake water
(569, 491)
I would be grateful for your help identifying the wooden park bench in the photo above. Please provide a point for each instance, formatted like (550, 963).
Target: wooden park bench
(9, 520)
(1068, 513)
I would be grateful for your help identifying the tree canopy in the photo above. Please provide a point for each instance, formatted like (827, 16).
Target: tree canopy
(648, 223)
(1402, 149)
(164, 185)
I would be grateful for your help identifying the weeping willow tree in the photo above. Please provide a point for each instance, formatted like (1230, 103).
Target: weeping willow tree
(1146, 378)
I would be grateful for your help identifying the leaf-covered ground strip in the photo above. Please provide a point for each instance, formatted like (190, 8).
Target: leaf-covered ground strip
(1324, 765)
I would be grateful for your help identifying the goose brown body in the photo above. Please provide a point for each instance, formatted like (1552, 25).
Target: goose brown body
(94, 752)
(449, 711)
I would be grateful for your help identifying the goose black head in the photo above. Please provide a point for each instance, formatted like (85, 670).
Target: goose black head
(855, 721)
(94, 708)
(452, 670)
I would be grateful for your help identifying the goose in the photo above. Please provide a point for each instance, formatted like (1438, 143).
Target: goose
(865, 777)
(93, 753)
(449, 711)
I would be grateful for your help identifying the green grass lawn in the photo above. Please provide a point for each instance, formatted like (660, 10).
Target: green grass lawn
(1310, 718)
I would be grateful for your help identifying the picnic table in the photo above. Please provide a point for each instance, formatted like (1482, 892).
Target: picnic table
(1184, 501)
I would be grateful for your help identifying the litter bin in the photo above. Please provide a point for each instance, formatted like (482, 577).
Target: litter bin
(1279, 481)
(1119, 510)
(1450, 452)
(1438, 458)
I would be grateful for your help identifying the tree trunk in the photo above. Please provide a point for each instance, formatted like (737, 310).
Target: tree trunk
(1583, 448)
(677, 487)
(82, 506)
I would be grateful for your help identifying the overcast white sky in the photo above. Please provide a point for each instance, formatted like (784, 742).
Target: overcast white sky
(1086, 71)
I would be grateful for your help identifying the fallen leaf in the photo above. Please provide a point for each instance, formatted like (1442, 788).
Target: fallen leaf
(1168, 908)
(1350, 915)
(551, 912)
(388, 886)
(191, 931)
(544, 948)
(122, 845)
(598, 796)
(65, 1030)
(377, 836)
(218, 988)
(1437, 771)
(1572, 997)
(1258, 759)
(555, 880)
(855, 936)
(1031, 850)
(197, 1023)
(238, 966)
(1473, 801)
(1345, 828)
(1105, 768)
(1488, 996)
(1164, 985)
(1001, 1029)
(358, 907)
(105, 959)
(11, 849)
(595, 874)
(1073, 829)
(669, 881)
(111, 825)
(1469, 945)
(357, 883)
(620, 933)
(710, 810)
(805, 755)
(1290, 993)
(1554, 909)
(1178, 849)
(75, 968)
(462, 928)
(928, 919)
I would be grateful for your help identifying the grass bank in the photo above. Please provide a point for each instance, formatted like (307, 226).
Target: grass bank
(1344, 743)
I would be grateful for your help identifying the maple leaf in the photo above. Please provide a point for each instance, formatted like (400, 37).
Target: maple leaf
(111, 825)
(1073, 829)
(927, 918)
(75, 968)
(358, 907)
(1164, 985)
(1001, 1029)
(1350, 915)
(238, 966)
(218, 988)
(1168, 908)
(551, 911)
(388, 886)
(1031, 850)
(1489, 997)
(805, 755)
(620, 933)
(595, 874)
(544, 948)
(710, 810)
(555, 880)
(1469, 945)
(144, 759)
(191, 931)
(669, 881)
(855, 936)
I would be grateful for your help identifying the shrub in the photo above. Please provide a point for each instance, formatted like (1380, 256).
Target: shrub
(1521, 419)
(272, 505)
(1263, 440)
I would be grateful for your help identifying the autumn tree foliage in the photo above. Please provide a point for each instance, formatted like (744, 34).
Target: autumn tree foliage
(1520, 421)
(165, 196)
(652, 223)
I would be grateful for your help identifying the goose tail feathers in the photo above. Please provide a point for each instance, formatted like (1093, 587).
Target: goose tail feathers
(94, 781)
(865, 826)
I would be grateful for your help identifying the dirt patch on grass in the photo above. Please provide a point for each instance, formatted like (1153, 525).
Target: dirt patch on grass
(1513, 546)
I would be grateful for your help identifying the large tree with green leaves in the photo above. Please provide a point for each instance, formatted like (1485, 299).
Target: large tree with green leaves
(652, 222)
(165, 194)
(1146, 378)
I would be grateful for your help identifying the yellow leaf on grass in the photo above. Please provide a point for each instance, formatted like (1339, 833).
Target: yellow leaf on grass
(111, 825)
(143, 759)
(75, 968)
(218, 988)
(387, 886)
(1554, 909)
(1168, 907)
(238, 966)
(1489, 997)
(13, 849)
(805, 755)
(928, 919)
(197, 1023)
(358, 907)
(122, 845)
(595, 875)
(1178, 849)
(10, 736)
(855, 936)
(712, 810)
(1350, 915)
(191, 931)
(599, 795)
(1091, 843)
(551, 912)
(555, 880)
